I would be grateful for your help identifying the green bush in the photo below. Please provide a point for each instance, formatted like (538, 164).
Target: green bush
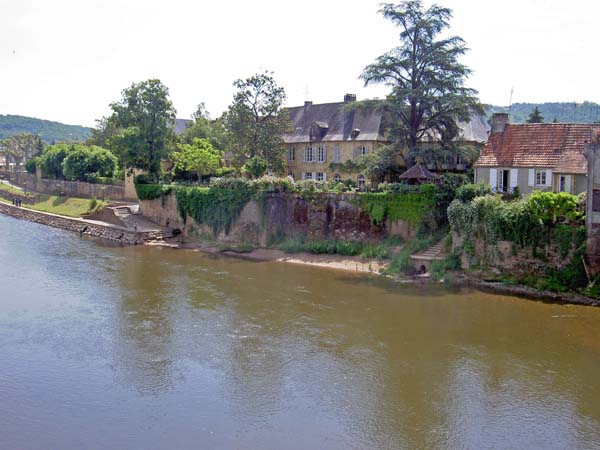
(31, 164)
(152, 191)
(412, 206)
(87, 163)
(468, 192)
(380, 251)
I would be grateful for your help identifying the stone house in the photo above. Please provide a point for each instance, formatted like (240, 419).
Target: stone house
(337, 133)
(544, 157)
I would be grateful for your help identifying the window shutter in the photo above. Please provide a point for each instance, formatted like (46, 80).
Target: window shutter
(355, 153)
(548, 177)
(531, 181)
(303, 158)
(325, 154)
(514, 178)
(493, 178)
(568, 183)
(324, 176)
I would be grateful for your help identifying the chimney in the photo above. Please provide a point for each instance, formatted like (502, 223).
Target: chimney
(349, 98)
(307, 104)
(499, 122)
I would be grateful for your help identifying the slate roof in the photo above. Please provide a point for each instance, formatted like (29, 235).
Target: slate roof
(338, 124)
(180, 125)
(417, 172)
(558, 146)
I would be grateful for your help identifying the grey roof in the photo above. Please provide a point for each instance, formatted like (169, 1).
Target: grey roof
(418, 172)
(180, 125)
(336, 123)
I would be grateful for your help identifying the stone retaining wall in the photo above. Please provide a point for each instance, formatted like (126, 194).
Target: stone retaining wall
(329, 216)
(108, 232)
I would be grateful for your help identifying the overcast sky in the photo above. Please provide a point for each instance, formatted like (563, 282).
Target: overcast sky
(66, 60)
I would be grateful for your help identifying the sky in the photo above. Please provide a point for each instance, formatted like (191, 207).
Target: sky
(67, 60)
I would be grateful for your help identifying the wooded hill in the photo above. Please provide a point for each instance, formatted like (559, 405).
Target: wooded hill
(586, 112)
(50, 132)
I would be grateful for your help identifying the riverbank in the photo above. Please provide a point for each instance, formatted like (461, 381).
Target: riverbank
(85, 227)
(356, 264)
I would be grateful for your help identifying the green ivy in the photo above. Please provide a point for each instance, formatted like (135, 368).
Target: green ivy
(216, 207)
(410, 206)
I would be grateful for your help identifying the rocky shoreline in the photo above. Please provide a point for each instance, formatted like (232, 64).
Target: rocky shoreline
(97, 229)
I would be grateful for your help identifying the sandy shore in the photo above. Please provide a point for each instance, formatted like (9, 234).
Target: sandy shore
(338, 262)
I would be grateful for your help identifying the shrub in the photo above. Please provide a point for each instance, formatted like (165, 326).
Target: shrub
(468, 192)
(87, 163)
(93, 204)
(255, 167)
(31, 164)
(376, 251)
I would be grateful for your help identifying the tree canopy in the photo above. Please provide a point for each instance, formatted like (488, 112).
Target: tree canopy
(203, 127)
(257, 122)
(200, 157)
(86, 163)
(428, 93)
(145, 116)
(21, 147)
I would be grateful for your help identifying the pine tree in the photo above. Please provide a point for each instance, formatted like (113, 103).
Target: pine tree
(535, 116)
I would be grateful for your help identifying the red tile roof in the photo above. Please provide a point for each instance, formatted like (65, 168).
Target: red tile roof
(557, 146)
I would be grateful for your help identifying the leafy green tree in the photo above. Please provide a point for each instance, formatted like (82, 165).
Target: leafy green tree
(52, 159)
(535, 116)
(203, 127)
(428, 94)
(200, 157)
(257, 122)
(103, 133)
(21, 147)
(86, 163)
(146, 116)
(256, 166)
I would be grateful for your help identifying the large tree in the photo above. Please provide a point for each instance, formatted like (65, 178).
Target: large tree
(145, 116)
(21, 147)
(203, 127)
(428, 94)
(257, 121)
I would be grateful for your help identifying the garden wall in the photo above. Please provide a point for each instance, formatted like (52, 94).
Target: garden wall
(68, 188)
(324, 216)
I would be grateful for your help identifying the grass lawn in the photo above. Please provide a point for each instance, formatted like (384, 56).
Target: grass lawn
(65, 206)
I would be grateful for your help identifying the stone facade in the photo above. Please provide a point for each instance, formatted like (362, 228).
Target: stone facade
(330, 217)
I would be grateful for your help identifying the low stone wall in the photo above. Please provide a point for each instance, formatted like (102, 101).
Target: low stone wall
(328, 216)
(108, 232)
(68, 188)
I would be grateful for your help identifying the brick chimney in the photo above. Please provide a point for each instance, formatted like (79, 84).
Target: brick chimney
(499, 122)
(349, 98)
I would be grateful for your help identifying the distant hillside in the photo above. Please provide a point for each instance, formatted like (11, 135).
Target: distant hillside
(586, 112)
(49, 131)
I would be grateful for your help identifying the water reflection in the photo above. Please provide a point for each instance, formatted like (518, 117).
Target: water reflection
(173, 349)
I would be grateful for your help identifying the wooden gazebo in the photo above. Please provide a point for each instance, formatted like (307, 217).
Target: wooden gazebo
(418, 174)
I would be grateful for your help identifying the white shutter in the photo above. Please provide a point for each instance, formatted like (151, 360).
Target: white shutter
(303, 158)
(304, 175)
(324, 176)
(493, 178)
(548, 177)
(568, 183)
(514, 178)
(531, 181)
(325, 154)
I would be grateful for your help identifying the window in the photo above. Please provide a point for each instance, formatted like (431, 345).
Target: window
(360, 181)
(364, 151)
(292, 154)
(337, 178)
(321, 154)
(309, 154)
(337, 155)
(540, 177)
(308, 175)
(320, 176)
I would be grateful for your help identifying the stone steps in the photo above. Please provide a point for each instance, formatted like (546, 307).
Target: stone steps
(433, 253)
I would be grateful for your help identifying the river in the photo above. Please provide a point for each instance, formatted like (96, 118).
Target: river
(146, 348)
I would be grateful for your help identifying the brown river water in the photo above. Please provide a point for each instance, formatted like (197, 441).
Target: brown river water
(147, 348)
